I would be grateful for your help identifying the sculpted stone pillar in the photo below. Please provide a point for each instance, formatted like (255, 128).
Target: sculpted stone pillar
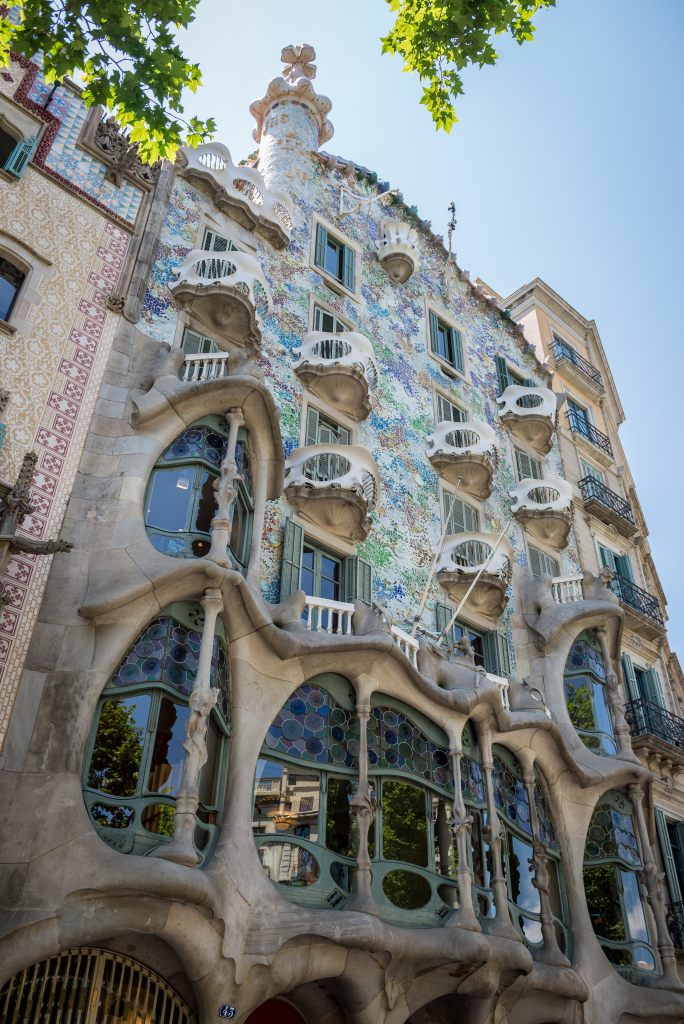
(502, 924)
(615, 700)
(363, 806)
(550, 952)
(226, 489)
(461, 826)
(654, 887)
(181, 849)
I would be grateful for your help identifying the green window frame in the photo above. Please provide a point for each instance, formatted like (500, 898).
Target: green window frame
(542, 564)
(335, 258)
(134, 758)
(15, 154)
(592, 471)
(586, 695)
(193, 343)
(491, 649)
(507, 376)
(459, 516)
(612, 862)
(325, 320)
(620, 564)
(355, 577)
(527, 466)
(446, 342)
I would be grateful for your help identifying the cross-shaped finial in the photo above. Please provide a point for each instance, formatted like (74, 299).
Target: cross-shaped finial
(298, 62)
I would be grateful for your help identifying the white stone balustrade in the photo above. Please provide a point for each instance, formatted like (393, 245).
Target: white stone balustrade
(334, 486)
(530, 414)
(397, 250)
(464, 454)
(502, 684)
(566, 589)
(219, 289)
(406, 643)
(240, 191)
(340, 368)
(554, 495)
(207, 366)
(327, 616)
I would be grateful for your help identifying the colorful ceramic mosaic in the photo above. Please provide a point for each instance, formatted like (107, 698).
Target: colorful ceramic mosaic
(611, 835)
(313, 726)
(168, 652)
(395, 742)
(510, 795)
(585, 655)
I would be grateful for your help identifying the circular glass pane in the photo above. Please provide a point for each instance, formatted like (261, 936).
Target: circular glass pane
(407, 890)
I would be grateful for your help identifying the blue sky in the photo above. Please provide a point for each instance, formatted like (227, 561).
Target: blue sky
(566, 163)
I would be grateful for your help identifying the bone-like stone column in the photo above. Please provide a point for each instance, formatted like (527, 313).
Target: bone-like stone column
(550, 953)
(363, 806)
(226, 489)
(181, 849)
(461, 826)
(502, 924)
(654, 888)
(622, 733)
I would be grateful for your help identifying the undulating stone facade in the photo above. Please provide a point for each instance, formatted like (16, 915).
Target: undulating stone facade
(336, 684)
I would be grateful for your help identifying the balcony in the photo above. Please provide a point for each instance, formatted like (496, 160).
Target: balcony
(397, 250)
(655, 729)
(579, 369)
(567, 589)
(196, 369)
(530, 414)
(543, 509)
(335, 619)
(334, 487)
(468, 558)
(340, 369)
(642, 610)
(219, 291)
(607, 506)
(240, 192)
(589, 436)
(464, 453)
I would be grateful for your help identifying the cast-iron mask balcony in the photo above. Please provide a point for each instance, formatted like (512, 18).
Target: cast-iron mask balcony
(340, 369)
(580, 425)
(333, 486)
(543, 508)
(462, 557)
(607, 505)
(464, 453)
(577, 366)
(530, 414)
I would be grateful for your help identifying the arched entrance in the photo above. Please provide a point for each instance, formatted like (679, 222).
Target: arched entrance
(275, 1011)
(92, 986)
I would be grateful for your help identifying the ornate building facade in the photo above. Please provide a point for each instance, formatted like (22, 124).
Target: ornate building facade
(335, 679)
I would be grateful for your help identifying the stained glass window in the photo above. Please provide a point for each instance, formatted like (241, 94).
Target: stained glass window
(585, 655)
(586, 697)
(313, 726)
(395, 742)
(611, 835)
(547, 831)
(510, 795)
(472, 780)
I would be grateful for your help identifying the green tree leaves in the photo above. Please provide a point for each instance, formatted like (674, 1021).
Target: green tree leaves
(439, 38)
(129, 58)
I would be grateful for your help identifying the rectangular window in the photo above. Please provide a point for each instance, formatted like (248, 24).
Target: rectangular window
(459, 517)
(335, 258)
(321, 429)
(507, 376)
(527, 466)
(618, 563)
(581, 414)
(447, 412)
(321, 574)
(592, 471)
(217, 243)
(446, 342)
(542, 564)
(194, 343)
(328, 322)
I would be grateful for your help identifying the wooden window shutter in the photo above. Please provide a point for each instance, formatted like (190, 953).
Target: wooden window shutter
(497, 657)
(654, 688)
(321, 245)
(472, 518)
(457, 345)
(192, 342)
(668, 857)
(293, 543)
(630, 679)
(357, 580)
(215, 242)
(502, 374)
(20, 156)
(443, 615)
(349, 268)
(454, 513)
(312, 418)
(607, 558)
(528, 466)
(434, 332)
(623, 567)
(542, 564)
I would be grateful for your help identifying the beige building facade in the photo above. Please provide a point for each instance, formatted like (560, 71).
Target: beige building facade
(336, 682)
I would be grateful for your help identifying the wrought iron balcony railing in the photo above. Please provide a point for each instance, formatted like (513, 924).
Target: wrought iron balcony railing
(675, 924)
(594, 490)
(580, 425)
(561, 350)
(645, 717)
(637, 598)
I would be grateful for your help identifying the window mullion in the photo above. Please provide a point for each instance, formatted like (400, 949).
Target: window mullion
(148, 747)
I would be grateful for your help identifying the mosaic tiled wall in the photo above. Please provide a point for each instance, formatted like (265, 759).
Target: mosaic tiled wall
(407, 521)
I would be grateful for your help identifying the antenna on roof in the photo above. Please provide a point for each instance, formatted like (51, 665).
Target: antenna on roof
(450, 260)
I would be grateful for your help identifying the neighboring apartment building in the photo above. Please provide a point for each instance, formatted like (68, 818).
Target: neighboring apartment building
(351, 700)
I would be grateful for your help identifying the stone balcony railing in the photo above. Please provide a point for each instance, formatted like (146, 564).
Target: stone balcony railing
(339, 368)
(530, 414)
(335, 618)
(464, 453)
(219, 290)
(469, 558)
(567, 589)
(333, 486)
(607, 505)
(209, 366)
(240, 192)
(397, 250)
(543, 508)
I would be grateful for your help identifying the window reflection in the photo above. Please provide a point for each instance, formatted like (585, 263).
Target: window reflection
(586, 697)
(404, 825)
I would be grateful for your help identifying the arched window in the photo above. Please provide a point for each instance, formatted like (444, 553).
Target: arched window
(134, 762)
(586, 696)
(511, 798)
(612, 860)
(181, 502)
(11, 280)
(305, 830)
